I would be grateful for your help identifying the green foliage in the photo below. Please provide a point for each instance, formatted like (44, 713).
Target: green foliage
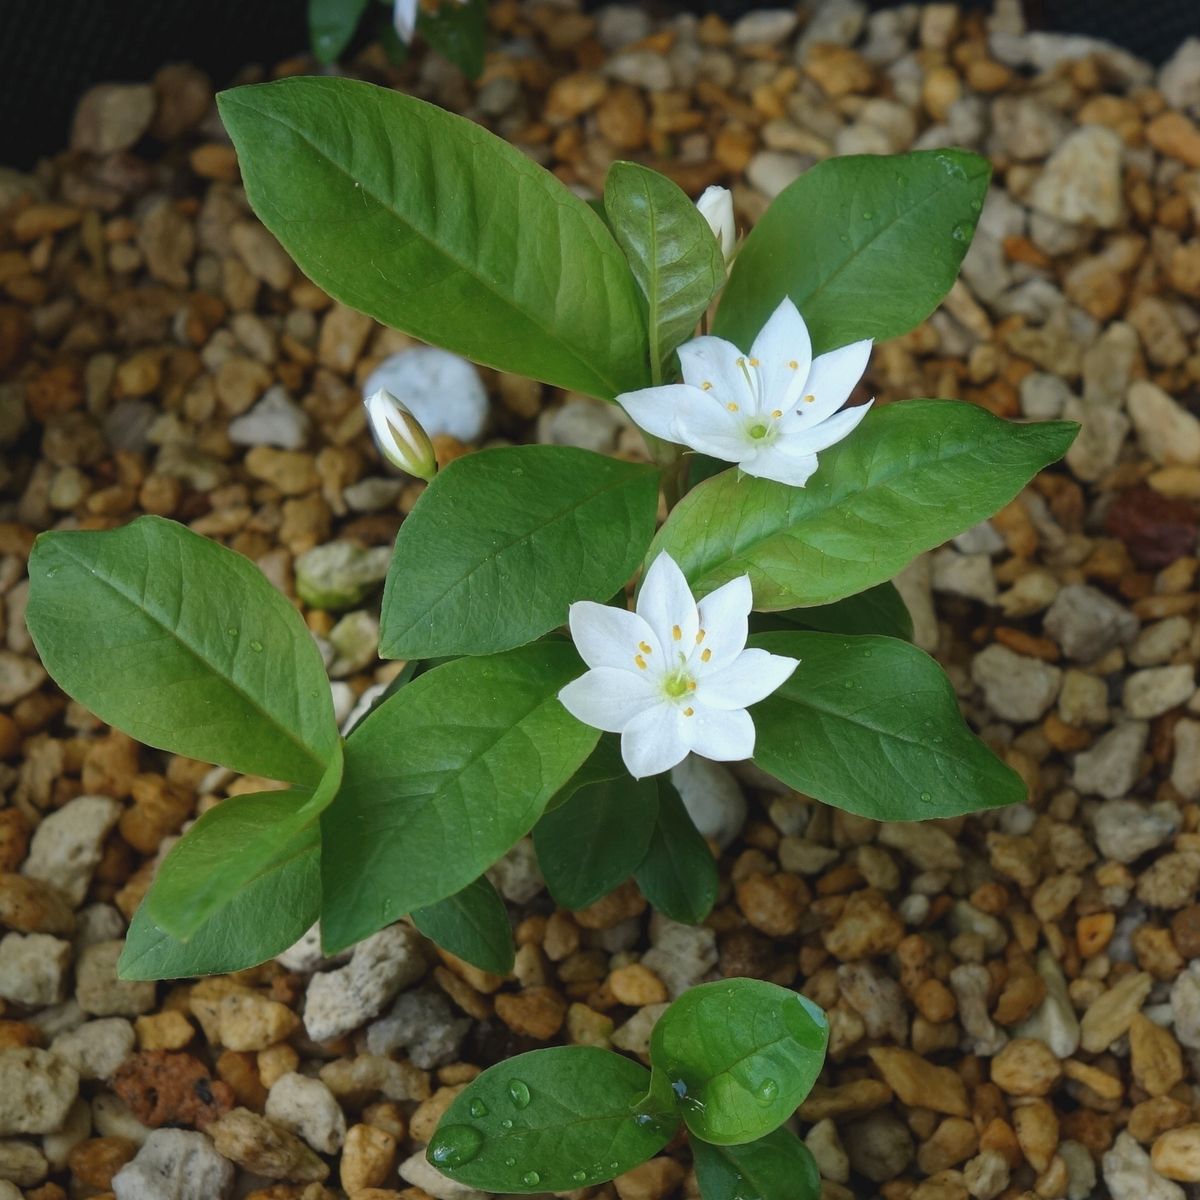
(775, 1167)
(552, 1120)
(671, 250)
(473, 924)
(503, 541)
(331, 26)
(865, 245)
(443, 779)
(419, 217)
(458, 32)
(678, 875)
(877, 610)
(184, 645)
(911, 476)
(871, 725)
(739, 1055)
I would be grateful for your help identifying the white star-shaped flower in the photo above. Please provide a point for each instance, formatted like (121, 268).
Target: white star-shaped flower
(675, 676)
(769, 411)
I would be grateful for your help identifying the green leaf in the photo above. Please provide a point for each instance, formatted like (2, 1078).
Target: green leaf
(872, 725)
(230, 846)
(503, 541)
(603, 764)
(262, 919)
(776, 1167)
(595, 841)
(678, 875)
(672, 252)
(877, 610)
(331, 26)
(866, 246)
(442, 780)
(740, 1055)
(911, 476)
(552, 1120)
(458, 32)
(184, 645)
(472, 924)
(429, 223)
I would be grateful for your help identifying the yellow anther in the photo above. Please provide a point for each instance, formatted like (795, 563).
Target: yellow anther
(689, 712)
(754, 362)
(809, 399)
(706, 386)
(641, 662)
(794, 365)
(705, 655)
(731, 406)
(691, 685)
(741, 362)
(701, 635)
(777, 413)
(676, 632)
(644, 648)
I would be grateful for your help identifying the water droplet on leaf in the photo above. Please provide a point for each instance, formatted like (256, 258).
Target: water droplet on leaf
(578, 1176)
(506, 1123)
(767, 1091)
(531, 1179)
(926, 797)
(455, 1145)
(231, 631)
(961, 232)
(257, 646)
(518, 1093)
(477, 1108)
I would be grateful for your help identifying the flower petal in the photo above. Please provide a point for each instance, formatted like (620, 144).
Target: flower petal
(783, 463)
(751, 677)
(714, 360)
(724, 617)
(723, 736)
(783, 340)
(811, 438)
(653, 741)
(653, 409)
(666, 604)
(404, 19)
(683, 414)
(832, 379)
(609, 637)
(608, 698)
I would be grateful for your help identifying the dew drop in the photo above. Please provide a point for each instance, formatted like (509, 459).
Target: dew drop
(518, 1093)
(845, 237)
(455, 1145)
(961, 232)
(868, 216)
(767, 1091)
(52, 571)
(257, 646)
(579, 1177)
(531, 1179)
(866, 654)
(506, 1123)
(926, 797)
(477, 1108)
(614, 1166)
(510, 1161)
(232, 631)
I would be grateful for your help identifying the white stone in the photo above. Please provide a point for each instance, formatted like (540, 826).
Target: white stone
(101, 993)
(380, 966)
(308, 1109)
(770, 171)
(1185, 1005)
(1083, 699)
(1054, 1020)
(1087, 624)
(680, 955)
(1157, 690)
(421, 1173)
(175, 1164)
(1166, 430)
(67, 845)
(22, 1163)
(713, 798)
(1129, 1175)
(18, 677)
(442, 390)
(1127, 829)
(1015, 687)
(97, 923)
(33, 968)
(97, 1048)
(36, 1091)
(1110, 767)
(1179, 76)
(1081, 182)
(826, 1148)
(1185, 765)
(765, 27)
(1158, 643)
(1081, 1170)
(586, 424)
(968, 575)
(516, 876)
(112, 1118)
(275, 420)
(423, 1026)
(76, 1128)
(642, 68)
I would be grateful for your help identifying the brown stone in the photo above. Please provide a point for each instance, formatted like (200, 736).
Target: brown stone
(773, 904)
(367, 1158)
(162, 1088)
(918, 1082)
(33, 906)
(1026, 1067)
(1155, 1056)
(866, 926)
(537, 1012)
(95, 1161)
(1176, 1154)
(263, 1147)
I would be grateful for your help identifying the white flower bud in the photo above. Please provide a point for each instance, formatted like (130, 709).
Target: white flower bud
(399, 436)
(716, 207)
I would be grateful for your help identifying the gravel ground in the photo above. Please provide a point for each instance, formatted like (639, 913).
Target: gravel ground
(1014, 999)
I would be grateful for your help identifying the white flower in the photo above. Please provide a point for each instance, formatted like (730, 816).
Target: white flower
(769, 411)
(399, 435)
(675, 676)
(716, 207)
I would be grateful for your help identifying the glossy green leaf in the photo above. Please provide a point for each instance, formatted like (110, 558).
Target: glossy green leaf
(776, 1167)
(602, 765)
(230, 846)
(184, 645)
(472, 924)
(678, 875)
(880, 610)
(331, 26)
(429, 223)
(594, 842)
(740, 1055)
(442, 780)
(866, 246)
(872, 725)
(260, 920)
(552, 1120)
(672, 252)
(458, 32)
(503, 541)
(912, 475)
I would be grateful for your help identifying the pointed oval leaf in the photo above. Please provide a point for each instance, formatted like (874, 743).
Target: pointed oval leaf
(458, 32)
(672, 252)
(872, 725)
(866, 246)
(880, 610)
(331, 26)
(593, 842)
(912, 475)
(678, 874)
(552, 1120)
(443, 779)
(739, 1055)
(502, 542)
(473, 925)
(776, 1167)
(184, 645)
(429, 223)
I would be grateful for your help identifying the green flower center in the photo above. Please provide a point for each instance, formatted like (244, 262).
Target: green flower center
(678, 686)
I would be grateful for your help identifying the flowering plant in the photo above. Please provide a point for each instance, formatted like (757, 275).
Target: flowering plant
(534, 697)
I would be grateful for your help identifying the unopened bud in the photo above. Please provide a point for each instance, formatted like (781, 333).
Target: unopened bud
(716, 207)
(399, 436)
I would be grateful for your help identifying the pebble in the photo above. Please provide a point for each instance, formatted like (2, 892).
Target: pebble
(442, 390)
(36, 1091)
(239, 1017)
(175, 1164)
(586, 424)
(1087, 624)
(1127, 829)
(827, 1150)
(425, 1177)
(1185, 765)
(342, 1000)
(1110, 768)
(879, 1146)
(1026, 1067)
(97, 1048)
(112, 117)
(1167, 432)
(368, 1158)
(1130, 1175)
(919, 1082)
(1176, 1154)
(340, 575)
(680, 955)
(516, 875)
(770, 171)
(160, 1088)
(307, 1108)
(1015, 687)
(265, 1148)
(1157, 690)
(274, 420)
(22, 1163)
(877, 998)
(19, 676)
(100, 992)
(68, 843)
(1109, 1016)
(33, 968)
(713, 798)
(422, 1025)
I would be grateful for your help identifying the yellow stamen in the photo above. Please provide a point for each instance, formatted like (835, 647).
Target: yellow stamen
(701, 635)
(641, 662)
(689, 712)
(676, 632)
(691, 685)
(644, 648)
(809, 399)
(706, 386)
(777, 413)
(731, 406)
(754, 362)
(794, 365)
(705, 655)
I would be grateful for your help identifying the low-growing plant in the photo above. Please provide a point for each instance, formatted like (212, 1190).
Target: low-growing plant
(534, 700)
